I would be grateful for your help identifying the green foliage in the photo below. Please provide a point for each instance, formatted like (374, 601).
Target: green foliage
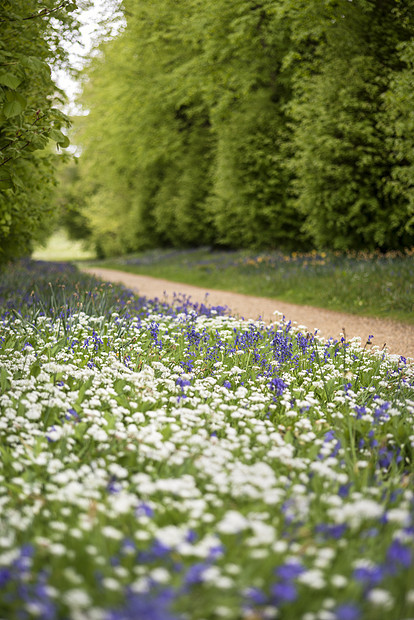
(145, 152)
(188, 137)
(342, 161)
(250, 201)
(69, 198)
(400, 129)
(254, 124)
(29, 118)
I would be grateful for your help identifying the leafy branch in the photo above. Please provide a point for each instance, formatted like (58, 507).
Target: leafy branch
(43, 12)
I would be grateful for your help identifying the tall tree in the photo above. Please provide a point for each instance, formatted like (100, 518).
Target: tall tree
(186, 127)
(341, 157)
(30, 43)
(146, 141)
(252, 123)
(398, 124)
(248, 87)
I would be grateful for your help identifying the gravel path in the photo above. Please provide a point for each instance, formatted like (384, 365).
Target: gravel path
(397, 337)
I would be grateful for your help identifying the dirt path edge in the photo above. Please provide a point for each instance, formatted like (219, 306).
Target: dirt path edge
(398, 338)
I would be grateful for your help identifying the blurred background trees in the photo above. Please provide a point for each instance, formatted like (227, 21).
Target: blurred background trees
(266, 124)
(255, 123)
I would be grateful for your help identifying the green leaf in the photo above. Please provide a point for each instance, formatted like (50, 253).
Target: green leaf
(12, 108)
(38, 142)
(15, 104)
(59, 138)
(35, 369)
(10, 80)
(35, 64)
(5, 179)
(83, 389)
(17, 181)
(4, 381)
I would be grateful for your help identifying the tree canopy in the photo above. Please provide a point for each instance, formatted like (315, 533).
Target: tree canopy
(253, 123)
(30, 116)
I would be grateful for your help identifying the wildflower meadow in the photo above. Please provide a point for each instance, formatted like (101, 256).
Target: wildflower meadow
(167, 461)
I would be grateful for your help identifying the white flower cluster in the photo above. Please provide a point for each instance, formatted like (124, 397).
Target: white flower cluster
(129, 465)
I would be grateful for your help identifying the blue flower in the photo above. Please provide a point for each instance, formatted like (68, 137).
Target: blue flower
(191, 536)
(195, 573)
(144, 510)
(256, 595)
(284, 592)
(398, 556)
(332, 531)
(360, 412)
(369, 576)
(148, 606)
(347, 611)
(128, 546)
(290, 570)
(5, 576)
(277, 385)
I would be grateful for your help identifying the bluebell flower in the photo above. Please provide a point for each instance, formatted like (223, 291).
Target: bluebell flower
(290, 570)
(343, 490)
(128, 546)
(284, 592)
(332, 531)
(5, 576)
(195, 573)
(347, 611)
(144, 510)
(277, 385)
(369, 576)
(216, 552)
(360, 411)
(154, 606)
(256, 596)
(398, 556)
(191, 536)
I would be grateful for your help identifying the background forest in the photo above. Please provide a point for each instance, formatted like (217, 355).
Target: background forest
(264, 124)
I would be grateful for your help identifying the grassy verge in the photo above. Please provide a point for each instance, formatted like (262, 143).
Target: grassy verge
(60, 248)
(370, 285)
(170, 463)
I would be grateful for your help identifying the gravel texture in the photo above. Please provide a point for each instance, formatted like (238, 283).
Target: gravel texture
(398, 338)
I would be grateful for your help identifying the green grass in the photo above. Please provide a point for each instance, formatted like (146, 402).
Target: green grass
(60, 248)
(374, 285)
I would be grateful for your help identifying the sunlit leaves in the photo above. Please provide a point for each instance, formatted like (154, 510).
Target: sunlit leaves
(251, 124)
(59, 138)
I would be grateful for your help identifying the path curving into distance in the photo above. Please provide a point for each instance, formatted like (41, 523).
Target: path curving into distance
(397, 337)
